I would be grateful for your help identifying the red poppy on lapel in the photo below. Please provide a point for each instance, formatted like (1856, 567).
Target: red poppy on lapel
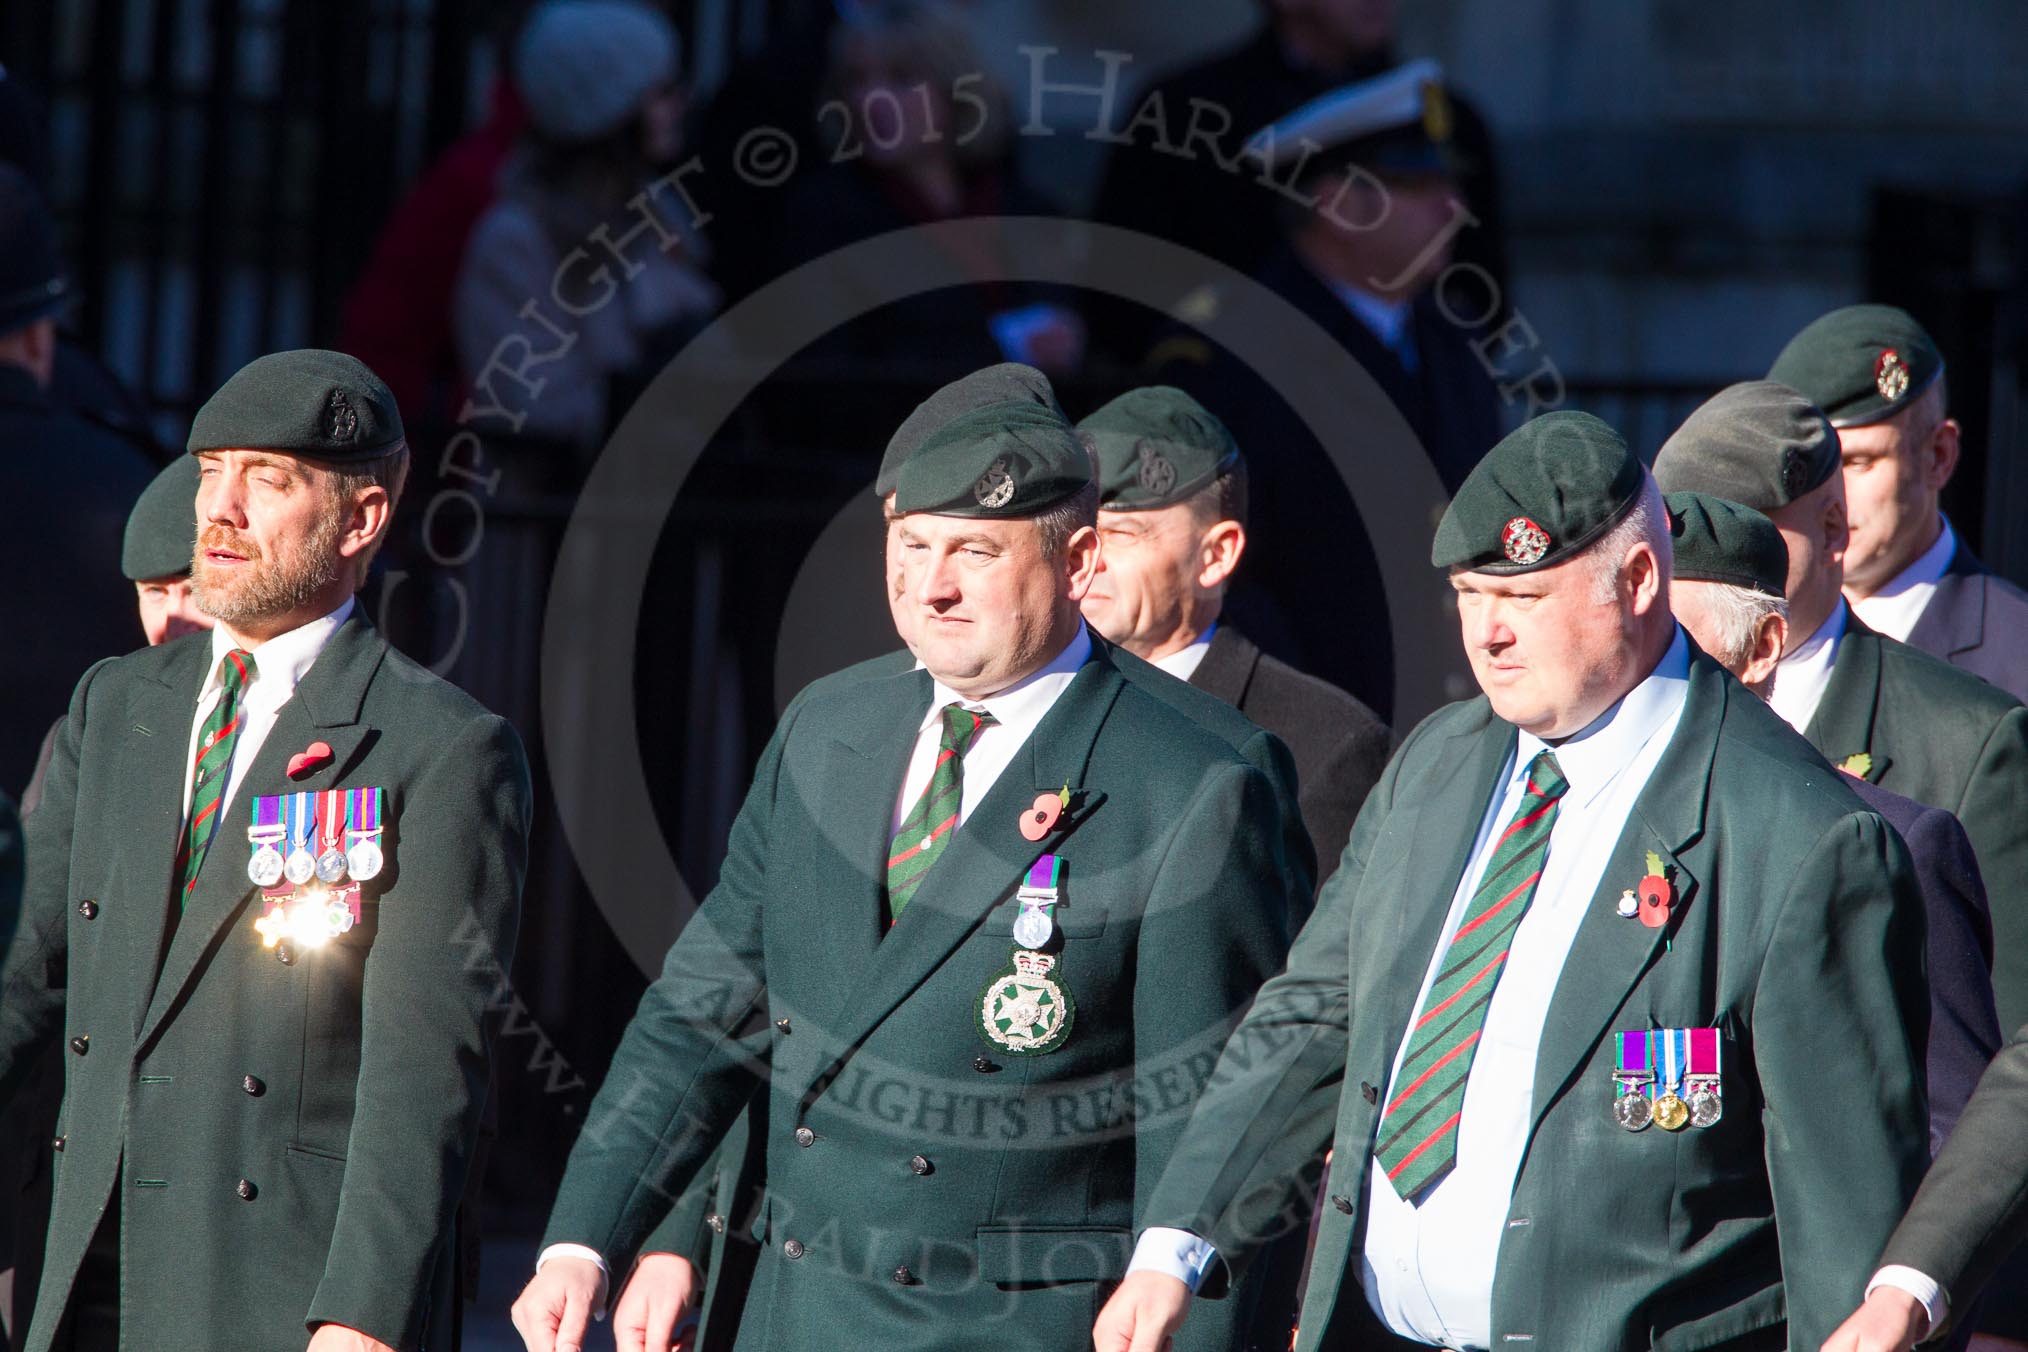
(1656, 893)
(311, 757)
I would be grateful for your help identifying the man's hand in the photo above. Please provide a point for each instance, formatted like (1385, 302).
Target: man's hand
(556, 1307)
(657, 1297)
(1143, 1314)
(338, 1338)
(1891, 1320)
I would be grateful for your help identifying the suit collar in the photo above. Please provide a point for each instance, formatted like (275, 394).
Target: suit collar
(1843, 724)
(327, 706)
(1228, 665)
(1954, 621)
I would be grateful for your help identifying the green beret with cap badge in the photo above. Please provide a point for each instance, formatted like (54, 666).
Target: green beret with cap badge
(1008, 381)
(162, 528)
(1549, 489)
(1717, 540)
(326, 405)
(1007, 460)
(1860, 364)
(1756, 443)
(1157, 446)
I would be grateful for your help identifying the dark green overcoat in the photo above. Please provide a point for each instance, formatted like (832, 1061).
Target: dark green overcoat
(288, 1142)
(1797, 933)
(926, 1188)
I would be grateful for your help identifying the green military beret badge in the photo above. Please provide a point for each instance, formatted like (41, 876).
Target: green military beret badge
(1548, 490)
(1757, 443)
(1026, 1010)
(1722, 541)
(1156, 447)
(326, 405)
(1006, 460)
(1860, 364)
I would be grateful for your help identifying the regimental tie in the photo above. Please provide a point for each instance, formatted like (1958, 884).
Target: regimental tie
(1418, 1140)
(926, 830)
(214, 759)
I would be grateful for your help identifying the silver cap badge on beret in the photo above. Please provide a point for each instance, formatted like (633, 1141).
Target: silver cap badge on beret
(1890, 374)
(995, 487)
(1523, 541)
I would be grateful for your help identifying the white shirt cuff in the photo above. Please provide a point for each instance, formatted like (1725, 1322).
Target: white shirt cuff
(1177, 1253)
(1920, 1285)
(589, 1255)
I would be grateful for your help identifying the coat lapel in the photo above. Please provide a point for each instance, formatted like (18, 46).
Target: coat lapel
(1954, 621)
(325, 707)
(1227, 668)
(1843, 724)
(1611, 953)
(986, 858)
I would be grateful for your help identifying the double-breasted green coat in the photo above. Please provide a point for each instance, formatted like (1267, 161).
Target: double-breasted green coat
(1940, 735)
(1797, 932)
(287, 1142)
(927, 1188)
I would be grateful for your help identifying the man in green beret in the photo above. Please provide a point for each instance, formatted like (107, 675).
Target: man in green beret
(155, 554)
(1878, 709)
(996, 913)
(1172, 518)
(1731, 566)
(1608, 943)
(1879, 377)
(275, 1075)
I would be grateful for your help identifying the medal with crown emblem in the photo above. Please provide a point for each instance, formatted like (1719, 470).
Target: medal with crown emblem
(1026, 1010)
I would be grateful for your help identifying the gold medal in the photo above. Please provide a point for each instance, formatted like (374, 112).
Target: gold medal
(1671, 1113)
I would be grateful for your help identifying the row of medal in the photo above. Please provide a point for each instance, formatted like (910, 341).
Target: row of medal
(311, 851)
(1026, 1009)
(1667, 1077)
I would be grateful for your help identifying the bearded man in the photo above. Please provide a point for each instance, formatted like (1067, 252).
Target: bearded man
(266, 858)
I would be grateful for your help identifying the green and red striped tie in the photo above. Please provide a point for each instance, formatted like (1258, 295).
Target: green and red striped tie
(208, 776)
(927, 828)
(1418, 1140)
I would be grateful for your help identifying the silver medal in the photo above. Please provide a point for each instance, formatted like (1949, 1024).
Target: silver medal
(363, 860)
(1706, 1107)
(265, 868)
(1633, 1111)
(1033, 927)
(300, 867)
(331, 866)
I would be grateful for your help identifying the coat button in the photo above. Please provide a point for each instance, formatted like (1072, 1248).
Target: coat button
(253, 1086)
(792, 1248)
(57, 1144)
(781, 1025)
(716, 1222)
(1368, 1092)
(805, 1137)
(983, 1066)
(81, 1044)
(246, 1190)
(921, 1165)
(88, 909)
(1344, 1204)
(285, 953)
(903, 1277)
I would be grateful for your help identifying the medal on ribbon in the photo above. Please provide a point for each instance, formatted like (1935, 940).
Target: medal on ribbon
(363, 859)
(1673, 1044)
(1027, 1009)
(1707, 1103)
(301, 818)
(1632, 1080)
(332, 819)
(265, 835)
(1039, 897)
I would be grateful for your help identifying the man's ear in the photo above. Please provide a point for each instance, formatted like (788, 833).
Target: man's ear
(1770, 636)
(1081, 561)
(372, 511)
(1940, 457)
(1218, 554)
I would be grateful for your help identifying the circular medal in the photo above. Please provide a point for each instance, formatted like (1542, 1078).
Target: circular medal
(1632, 1111)
(1033, 927)
(1705, 1107)
(265, 868)
(1671, 1113)
(300, 867)
(331, 866)
(363, 860)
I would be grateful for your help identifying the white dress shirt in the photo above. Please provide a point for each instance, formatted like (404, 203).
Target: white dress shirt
(1894, 609)
(279, 665)
(1387, 320)
(1017, 711)
(1802, 676)
(1427, 1269)
(1183, 663)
